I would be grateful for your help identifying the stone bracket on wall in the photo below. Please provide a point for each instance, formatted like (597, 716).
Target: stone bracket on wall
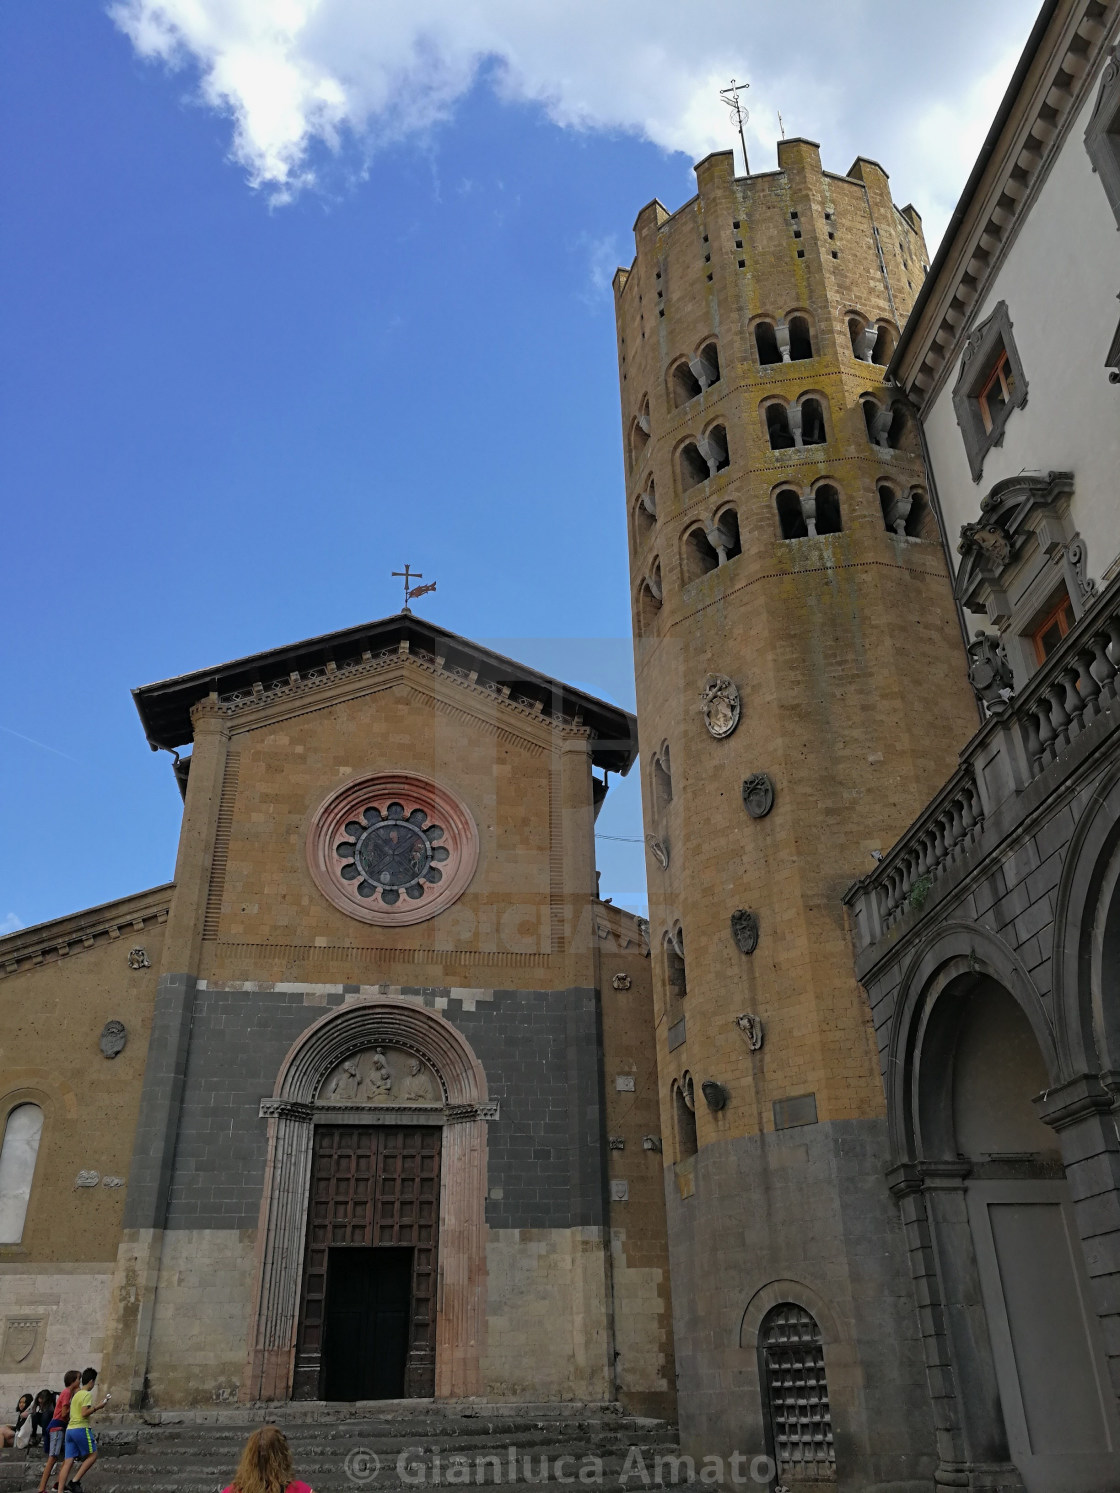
(379, 1114)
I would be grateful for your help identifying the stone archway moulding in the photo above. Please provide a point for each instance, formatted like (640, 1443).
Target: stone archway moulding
(954, 949)
(281, 1236)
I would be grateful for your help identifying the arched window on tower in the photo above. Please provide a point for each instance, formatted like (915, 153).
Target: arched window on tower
(726, 534)
(766, 342)
(790, 515)
(684, 384)
(645, 516)
(705, 365)
(661, 780)
(885, 340)
(795, 1395)
(777, 427)
(684, 1117)
(863, 338)
(903, 513)
(827, 501)
(812, 423)
(693, 467)
(800, 339)
(17, 1168)
(639, 436)
(713, 447)
(699, 556)
(879, 419)
(649, 599)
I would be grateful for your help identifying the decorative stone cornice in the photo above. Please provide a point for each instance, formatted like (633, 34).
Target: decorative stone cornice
(46, 943)
(1009, 514)
(1079, 1099)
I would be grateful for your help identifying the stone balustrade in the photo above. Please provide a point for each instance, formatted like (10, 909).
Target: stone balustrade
(1069, 706)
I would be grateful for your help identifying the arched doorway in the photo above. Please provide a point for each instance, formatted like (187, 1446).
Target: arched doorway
(1013, 1249)
(372, 1216)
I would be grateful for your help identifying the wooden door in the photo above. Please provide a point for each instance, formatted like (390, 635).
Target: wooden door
(371, 1186)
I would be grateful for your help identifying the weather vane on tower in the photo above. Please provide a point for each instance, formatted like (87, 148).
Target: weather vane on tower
(739, 114)
(411, 592)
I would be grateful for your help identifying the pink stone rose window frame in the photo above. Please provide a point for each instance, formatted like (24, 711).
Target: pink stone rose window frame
(392, 849)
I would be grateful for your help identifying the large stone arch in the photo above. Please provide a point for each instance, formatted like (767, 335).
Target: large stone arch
(281, 1236)
(1088, 1025)
(952, 950)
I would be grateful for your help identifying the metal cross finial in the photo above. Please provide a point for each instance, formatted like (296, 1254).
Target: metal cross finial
(408, 575)
(730, 97)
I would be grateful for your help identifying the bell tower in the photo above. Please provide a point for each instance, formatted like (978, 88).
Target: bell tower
(802, 692)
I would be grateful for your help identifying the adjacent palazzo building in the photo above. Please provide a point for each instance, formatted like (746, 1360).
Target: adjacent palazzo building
(362, 1104)
(988, 936)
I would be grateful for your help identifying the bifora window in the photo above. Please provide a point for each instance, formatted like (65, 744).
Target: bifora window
(1052, 629)
(795, 1394)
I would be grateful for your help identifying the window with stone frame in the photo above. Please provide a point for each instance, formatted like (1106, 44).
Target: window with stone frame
(1102, 133)
(1048, 634)
(991, 384)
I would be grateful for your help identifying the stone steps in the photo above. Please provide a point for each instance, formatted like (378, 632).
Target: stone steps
(348, 1448)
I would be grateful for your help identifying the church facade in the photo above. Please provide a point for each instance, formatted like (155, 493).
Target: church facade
(376, 1065)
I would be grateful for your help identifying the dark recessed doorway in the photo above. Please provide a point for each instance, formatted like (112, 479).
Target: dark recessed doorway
(368, 1316)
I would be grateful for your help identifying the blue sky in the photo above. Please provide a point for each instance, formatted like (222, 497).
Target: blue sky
(246, 380)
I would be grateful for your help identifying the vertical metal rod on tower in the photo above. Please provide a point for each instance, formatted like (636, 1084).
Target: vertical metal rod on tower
(730, 97)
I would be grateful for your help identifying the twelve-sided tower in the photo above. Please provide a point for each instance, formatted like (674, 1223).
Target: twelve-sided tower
(801, 693)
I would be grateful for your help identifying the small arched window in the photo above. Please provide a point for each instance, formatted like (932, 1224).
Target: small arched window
(684, 384)
(827, 501)
(903, 513)
(684, 1117)
(649, 599)
(777, 427)
(639, 435)
(700, 555)
(706, 365)
(812, 423)
(790, 514)
(795, 1395)
(800, 340)
(694, 469)
(17, 1168)
(645, 516)
(713, 446)
(726, 533)
(884, 344)
(766, 341)
(863, 338)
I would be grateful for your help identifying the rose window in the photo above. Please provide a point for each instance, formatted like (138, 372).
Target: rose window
(390, 854)
(392, 849)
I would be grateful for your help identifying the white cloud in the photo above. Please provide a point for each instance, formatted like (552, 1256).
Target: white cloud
(10, 923)
(887, 81)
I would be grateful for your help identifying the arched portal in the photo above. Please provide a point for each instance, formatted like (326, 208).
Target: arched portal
(372, 1105)
(1034, 1390)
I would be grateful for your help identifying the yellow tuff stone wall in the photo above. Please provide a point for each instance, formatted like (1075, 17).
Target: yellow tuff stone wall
(836, 643)
(60, 983)
(527, 783)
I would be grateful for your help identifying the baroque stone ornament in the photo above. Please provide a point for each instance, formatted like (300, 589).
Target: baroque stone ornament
(751, 1028)
(715, 1095)
(989, 672)
(621, 981)
(720, 705)
(758, 795)
(381, 1075)
(87, 1179)
(138, 959)
(744, 930)
(392, 849)
(659, 849)
(114, 1035)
